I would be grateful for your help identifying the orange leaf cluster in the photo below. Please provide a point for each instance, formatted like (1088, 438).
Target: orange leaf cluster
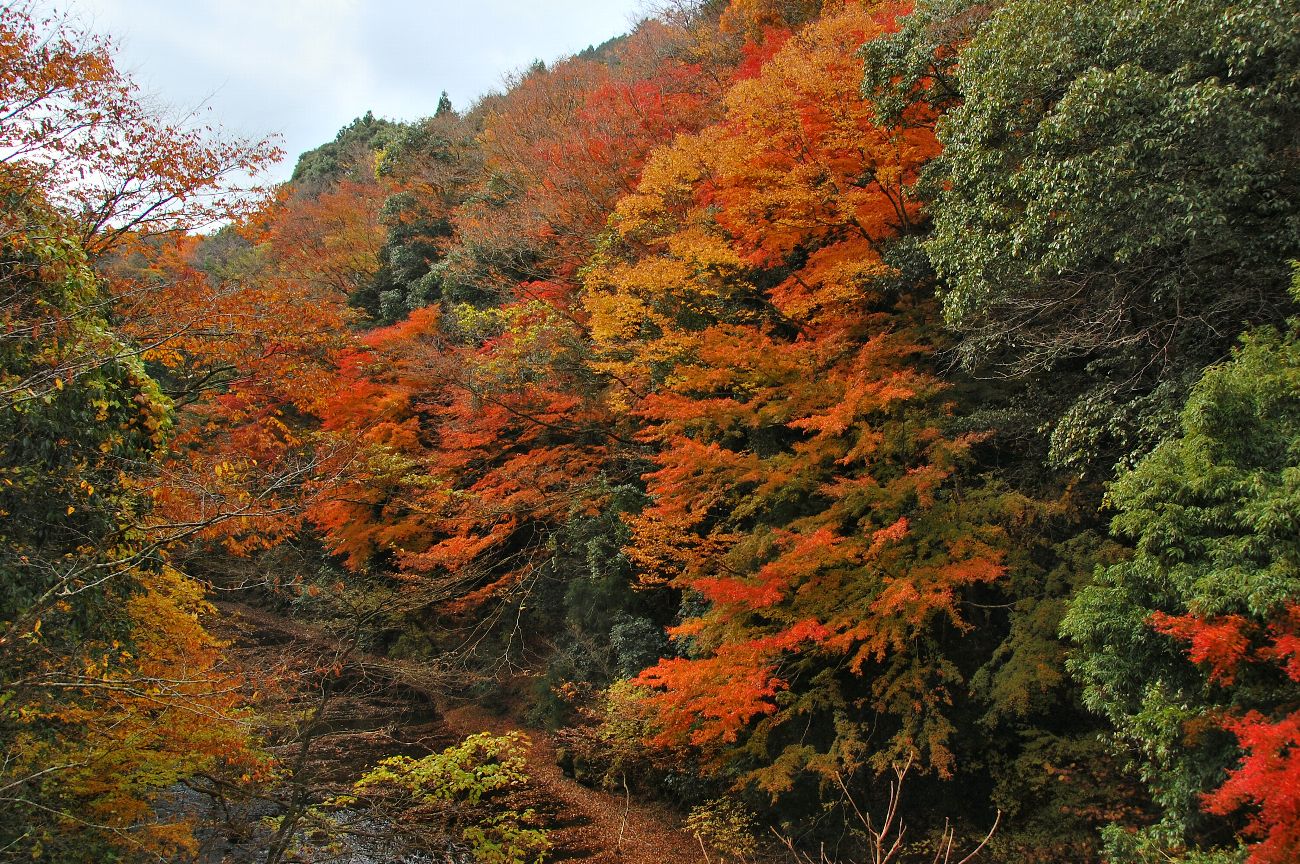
(803, 486)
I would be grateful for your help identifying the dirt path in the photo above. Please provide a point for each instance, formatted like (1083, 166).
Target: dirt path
(587, 825)
(591, 821)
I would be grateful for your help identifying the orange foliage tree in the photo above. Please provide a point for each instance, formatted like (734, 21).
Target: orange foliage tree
(77, 130)
(754, 307)
(567, 142)
(244, 330)
(105, 740)
(462, 460)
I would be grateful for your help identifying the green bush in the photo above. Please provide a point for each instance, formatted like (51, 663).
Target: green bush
(454, 787)
(724, 826)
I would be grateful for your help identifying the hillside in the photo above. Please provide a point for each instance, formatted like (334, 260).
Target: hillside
(849, 431)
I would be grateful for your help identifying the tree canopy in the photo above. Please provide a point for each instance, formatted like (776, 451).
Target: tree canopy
(805, 410)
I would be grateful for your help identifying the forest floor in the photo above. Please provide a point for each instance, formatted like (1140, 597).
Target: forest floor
(397, 712)
(589, 824)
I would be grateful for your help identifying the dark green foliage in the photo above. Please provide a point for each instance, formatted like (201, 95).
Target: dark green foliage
(637, 643)
(1121, 189)
(1051, 774)
(415, 240)
(604, 629)
(918, 63)
(607, 52)
(434, 164)
(351, 155)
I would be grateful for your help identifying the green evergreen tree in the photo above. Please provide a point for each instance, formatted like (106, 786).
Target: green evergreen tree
(1119, 188)
(1212, 515)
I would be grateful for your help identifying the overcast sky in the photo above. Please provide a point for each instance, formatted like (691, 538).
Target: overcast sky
(305, 68)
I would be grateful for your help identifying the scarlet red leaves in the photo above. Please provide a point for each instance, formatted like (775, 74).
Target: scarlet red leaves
(1267, 780)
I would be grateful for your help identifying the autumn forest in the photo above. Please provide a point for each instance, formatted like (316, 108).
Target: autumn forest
(822, 431)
